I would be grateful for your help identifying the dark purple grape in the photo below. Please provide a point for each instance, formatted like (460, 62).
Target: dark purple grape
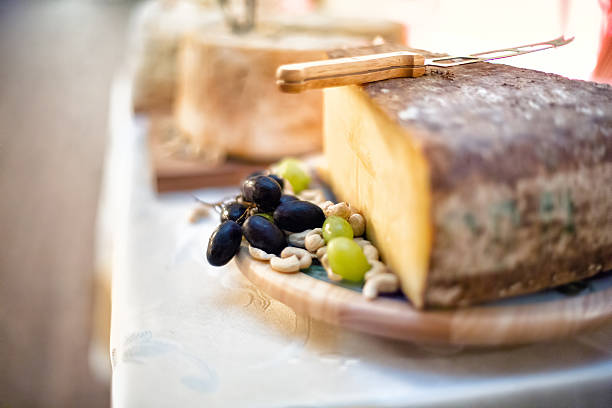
(234, 211)
(285, 198)
(263, 191)
(278, 179)
(263, 234)
(224, 243)
(297, 216)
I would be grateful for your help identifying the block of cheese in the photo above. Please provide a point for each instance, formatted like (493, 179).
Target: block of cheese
(227, 97)
(157, 28)
(480, 183)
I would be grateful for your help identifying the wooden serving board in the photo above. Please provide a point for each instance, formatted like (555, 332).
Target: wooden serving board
(174, 172)
(540, 317)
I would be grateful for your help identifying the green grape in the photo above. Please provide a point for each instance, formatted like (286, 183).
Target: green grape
(346, 258)
(293, 171)
(335, 226)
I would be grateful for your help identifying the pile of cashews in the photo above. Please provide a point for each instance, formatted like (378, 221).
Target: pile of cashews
(310, 244)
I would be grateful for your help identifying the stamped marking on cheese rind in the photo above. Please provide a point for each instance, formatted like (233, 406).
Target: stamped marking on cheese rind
(543, 232)
(557, 206)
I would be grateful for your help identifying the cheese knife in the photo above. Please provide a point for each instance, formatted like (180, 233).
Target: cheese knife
(293, 78)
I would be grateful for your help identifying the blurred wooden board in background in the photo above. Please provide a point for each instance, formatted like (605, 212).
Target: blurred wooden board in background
(175, 170)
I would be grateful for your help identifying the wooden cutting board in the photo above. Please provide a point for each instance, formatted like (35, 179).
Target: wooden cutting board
(543, 316)
(179, 172)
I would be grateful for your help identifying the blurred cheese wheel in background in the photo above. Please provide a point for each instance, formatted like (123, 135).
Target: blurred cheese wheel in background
(156, 30)
(227, 100)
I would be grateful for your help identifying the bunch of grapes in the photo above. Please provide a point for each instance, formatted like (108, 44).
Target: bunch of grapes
(262, 212)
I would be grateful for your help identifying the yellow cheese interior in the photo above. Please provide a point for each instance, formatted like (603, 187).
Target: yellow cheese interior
(377, 167)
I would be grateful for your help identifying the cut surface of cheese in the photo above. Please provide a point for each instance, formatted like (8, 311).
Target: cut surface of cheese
(485, 182)
(381, 172)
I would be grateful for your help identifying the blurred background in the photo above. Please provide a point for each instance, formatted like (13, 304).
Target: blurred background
(57, 63)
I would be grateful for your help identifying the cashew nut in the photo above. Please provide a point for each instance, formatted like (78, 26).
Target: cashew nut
(285, 265)
(259, 254)
(357, 223)
(314, 240)
(303, 256)
(321, 251)
(341, 210)
(370, 252)
(361, 241)
(330, 274)
(307, 194)
(353, 209)
(315, 231)
(380, 283)
(297, 238)
(315, 196)
(201, 211)
(325, 206)
(368, 249)
(376, 268)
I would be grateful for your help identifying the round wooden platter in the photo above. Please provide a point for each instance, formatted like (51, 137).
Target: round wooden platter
(528, 319)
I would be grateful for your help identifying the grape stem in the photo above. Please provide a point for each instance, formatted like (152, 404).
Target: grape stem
(217, 206)
(244, 215)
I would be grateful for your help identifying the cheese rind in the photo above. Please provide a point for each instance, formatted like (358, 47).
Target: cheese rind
(515, 191)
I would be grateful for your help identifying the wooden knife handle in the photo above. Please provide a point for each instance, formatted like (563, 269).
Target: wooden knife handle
(349, 71)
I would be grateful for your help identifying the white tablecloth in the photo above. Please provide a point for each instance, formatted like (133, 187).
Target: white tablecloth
(186, 334)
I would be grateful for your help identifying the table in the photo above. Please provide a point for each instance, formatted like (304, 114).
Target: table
(187, 334)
